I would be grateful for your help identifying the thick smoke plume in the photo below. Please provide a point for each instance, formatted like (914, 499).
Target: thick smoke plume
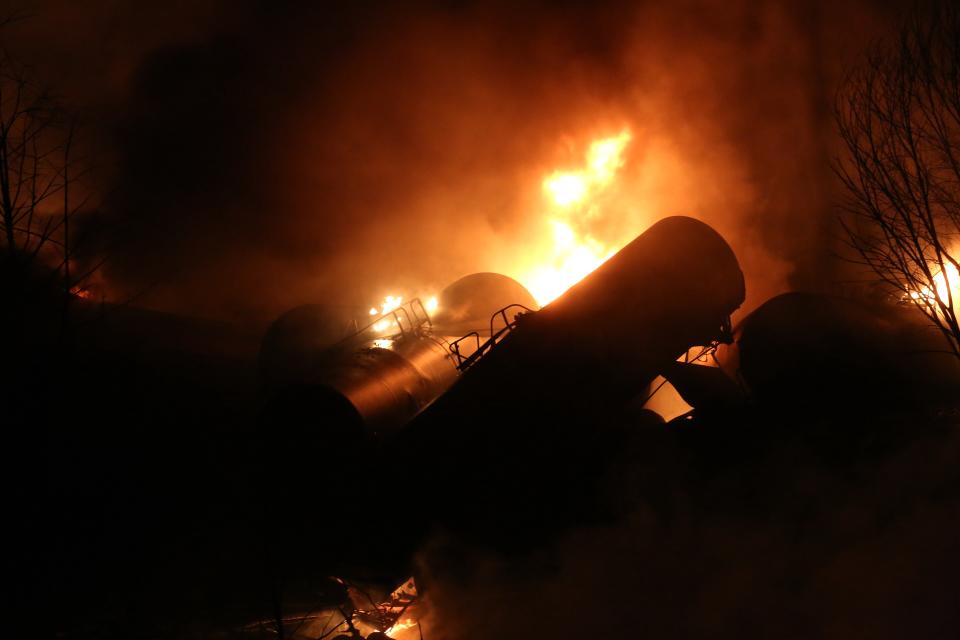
(256, 156)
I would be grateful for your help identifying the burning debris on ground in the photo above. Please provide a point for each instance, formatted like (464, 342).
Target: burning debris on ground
(473, 320)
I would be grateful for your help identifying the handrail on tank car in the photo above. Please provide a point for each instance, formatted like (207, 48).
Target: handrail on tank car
(465, 363)
(396, 315)
(426, 316)
(503, 314)
(455, 347)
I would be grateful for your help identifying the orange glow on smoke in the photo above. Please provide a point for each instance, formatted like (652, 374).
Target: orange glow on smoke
(389, 304)
(388, 323)
(571, 202)
(565, 249)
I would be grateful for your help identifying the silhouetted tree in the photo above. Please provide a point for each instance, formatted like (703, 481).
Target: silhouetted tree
(899, 120)
(37, 170)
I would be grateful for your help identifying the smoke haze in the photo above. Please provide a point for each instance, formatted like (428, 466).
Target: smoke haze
(256, 156)
(252, 156)
(777, 545)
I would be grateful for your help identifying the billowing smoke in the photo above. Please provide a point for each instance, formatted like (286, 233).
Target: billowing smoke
(255, 156)
(777, 546)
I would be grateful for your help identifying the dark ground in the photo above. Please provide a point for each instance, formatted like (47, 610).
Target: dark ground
(143, 509)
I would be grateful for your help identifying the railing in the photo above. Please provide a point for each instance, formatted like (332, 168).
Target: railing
(465, 362)
(414, 325)
(409, 319)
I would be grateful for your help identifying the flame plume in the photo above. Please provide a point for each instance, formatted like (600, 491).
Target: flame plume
(571, 195)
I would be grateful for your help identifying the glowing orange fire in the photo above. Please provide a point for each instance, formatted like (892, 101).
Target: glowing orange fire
(574, 252)
(568, 251)
(403, 629)
(946, 289)
(81, 292)
(391, 303)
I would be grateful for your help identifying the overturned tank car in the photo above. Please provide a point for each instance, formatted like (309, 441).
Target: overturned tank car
(522, 434)
(343, 380)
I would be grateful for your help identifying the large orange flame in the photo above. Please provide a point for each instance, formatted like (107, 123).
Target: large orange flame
(574, 252)
(567, 251)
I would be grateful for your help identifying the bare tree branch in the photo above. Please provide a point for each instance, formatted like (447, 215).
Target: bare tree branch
(41, 180)
(898, 115)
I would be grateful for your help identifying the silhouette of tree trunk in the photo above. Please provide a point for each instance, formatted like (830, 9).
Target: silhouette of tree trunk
(899, 119)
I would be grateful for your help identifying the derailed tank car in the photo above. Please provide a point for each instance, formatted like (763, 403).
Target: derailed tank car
(514, 447)
(345, 381)
(335, 395)
(519, 438)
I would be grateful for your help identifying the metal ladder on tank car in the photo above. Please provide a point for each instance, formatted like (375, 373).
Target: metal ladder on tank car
(407, 319)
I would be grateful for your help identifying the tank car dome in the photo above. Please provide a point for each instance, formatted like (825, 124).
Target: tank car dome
(295, 339)
(468, 303)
